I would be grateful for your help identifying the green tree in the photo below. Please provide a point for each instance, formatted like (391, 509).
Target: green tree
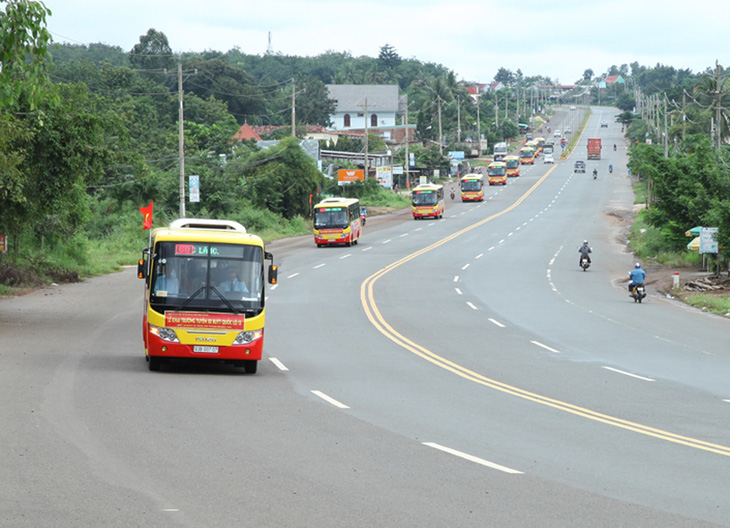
(313, 105)
(153, 56)
(282, 178)
(388, 58)
(23, 53)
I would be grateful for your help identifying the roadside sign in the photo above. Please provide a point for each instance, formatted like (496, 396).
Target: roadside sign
(194, 182)
(708, 244)
(345, 176)
(3, 243)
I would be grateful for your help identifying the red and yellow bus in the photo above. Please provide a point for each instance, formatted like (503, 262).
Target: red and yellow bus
(427, 201)
(204, 293)
(472, 188)
(337, 221)
(513, 166)
(540, 141)
(527, 156)
(497, 173)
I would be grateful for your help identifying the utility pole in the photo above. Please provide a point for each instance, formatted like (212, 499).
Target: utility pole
(496, 110)
(479, 129)
(181, 136)
(180, 132)
(293, 109)
(408, 156)
(441, 135)
(666, 130)
(458, 120)
(366, 138)
(718, 109)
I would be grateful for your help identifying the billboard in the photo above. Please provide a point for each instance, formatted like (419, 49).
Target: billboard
(345, 176)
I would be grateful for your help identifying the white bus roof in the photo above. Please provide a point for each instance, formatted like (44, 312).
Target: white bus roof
(204, 223)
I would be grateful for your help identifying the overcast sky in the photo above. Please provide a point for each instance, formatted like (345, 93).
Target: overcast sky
(474, 38)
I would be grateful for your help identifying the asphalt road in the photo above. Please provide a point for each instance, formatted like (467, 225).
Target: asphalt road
(461, 372)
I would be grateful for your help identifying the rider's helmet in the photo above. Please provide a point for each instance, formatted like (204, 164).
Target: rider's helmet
(637, 265)
(585, 241)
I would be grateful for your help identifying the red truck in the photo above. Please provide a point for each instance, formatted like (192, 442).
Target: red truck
(594, 148)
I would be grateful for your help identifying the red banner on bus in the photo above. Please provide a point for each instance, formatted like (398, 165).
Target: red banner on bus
(204, 320)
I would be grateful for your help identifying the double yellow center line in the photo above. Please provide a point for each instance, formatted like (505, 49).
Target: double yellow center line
(367, 298)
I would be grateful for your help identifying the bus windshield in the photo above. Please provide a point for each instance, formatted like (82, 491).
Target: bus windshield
(512, 163)
(330, 217)
(471, 185)
(425, 198)
(207, 276)
(498, 171)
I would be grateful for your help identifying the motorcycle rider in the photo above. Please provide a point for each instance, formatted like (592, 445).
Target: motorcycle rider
(610, 167)
(585, 251)
(614, 146)
(453, 193)
(595, 173)
(637, 276)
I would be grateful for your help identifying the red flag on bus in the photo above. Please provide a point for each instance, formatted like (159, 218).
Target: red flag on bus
(147, 214)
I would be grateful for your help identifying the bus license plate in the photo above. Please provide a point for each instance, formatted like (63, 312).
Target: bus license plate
(206, 349)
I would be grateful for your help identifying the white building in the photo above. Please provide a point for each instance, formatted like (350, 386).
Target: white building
(381, 103)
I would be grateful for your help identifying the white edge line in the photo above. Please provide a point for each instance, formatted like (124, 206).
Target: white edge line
(472, 458)
(470, 305)
(544, 346)
(368, 248)
(273, 287)
(278, 363)
(320, 265)
(346, 256)
(292, 275)
(329, 400)
(494, 321)
(628, 374)
(465, 266)
(458, 291)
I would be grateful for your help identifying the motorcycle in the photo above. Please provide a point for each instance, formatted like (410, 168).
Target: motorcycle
(638, 292)
(595, 174)
(614, 147)
(584, 263)
(453, 194)
(610, 169)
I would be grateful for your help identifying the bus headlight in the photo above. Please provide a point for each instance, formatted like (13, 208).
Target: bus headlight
(166, 334)
(244, 338)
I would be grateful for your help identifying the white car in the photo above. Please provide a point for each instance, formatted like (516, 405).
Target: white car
(556, 133)
(548, 158)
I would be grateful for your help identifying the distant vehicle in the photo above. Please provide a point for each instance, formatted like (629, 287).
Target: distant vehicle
(604, 124)
(513, 166)
(572, 107)
(568, 130)
(472, 187)
(497, 173)
(528, 136)
(500, 151)
(594, 148)
(338, 221)
(548, 158)
(556, 133)
(580, 166)
(427, 200)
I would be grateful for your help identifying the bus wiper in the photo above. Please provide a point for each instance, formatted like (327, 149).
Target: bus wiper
(193, 296)
(219, 294)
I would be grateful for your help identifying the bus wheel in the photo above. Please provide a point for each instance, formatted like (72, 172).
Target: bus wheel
(250, 366)
(154, 362)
